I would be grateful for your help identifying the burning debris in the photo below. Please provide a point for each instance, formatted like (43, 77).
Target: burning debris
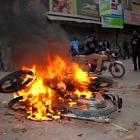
(47, 92)
(60, 89)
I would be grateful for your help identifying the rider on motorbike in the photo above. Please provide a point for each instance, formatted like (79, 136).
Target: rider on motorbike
(90, 49)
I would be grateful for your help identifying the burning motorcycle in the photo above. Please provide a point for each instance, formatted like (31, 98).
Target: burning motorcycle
(96, 106)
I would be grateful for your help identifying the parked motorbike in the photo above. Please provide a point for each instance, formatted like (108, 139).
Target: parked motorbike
(115, 67)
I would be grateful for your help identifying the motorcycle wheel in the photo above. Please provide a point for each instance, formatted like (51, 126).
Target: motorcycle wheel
(102, 82)
(15, 104)
(117, 70)
(103, 111)
(16, 81)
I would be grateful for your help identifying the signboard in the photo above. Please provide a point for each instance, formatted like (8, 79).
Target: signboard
(88, 8)
(116, 8)
(105, 7)
(115, 18)
(131, 17)
(110, 7)
(62, 6)
(112, 22)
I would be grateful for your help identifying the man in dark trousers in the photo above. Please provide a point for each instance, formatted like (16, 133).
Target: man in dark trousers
(126, 48)
(135, 44)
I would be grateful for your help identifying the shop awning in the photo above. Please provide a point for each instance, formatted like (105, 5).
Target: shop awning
(79, 19)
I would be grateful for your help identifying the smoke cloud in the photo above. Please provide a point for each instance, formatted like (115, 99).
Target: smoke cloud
(24, 25)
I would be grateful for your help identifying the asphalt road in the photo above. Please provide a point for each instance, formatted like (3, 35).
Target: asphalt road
(13, 125)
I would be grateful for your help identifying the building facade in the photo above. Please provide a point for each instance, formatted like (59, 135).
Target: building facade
(79, 17)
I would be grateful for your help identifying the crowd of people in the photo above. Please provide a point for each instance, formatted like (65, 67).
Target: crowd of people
(91, 46)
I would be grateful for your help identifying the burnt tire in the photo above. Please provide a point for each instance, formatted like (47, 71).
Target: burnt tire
(15, 101)
(110, 107)
(16, 81)
(99, 81)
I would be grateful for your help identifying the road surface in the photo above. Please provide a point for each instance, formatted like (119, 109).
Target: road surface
(13, 125)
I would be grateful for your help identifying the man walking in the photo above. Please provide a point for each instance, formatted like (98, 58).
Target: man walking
(135, 44)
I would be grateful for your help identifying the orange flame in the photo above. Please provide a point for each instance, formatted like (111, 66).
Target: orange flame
(56, 86)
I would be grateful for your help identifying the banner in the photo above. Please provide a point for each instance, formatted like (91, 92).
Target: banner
(116, 8)
(62, 6)
(112, 22)
(111, 7)
(115, 19)
(131, 17)
(88, 8)
(105, 7)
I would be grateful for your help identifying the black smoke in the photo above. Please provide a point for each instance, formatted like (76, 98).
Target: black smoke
(29, 35)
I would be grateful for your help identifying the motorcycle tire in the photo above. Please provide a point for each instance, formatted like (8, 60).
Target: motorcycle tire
(16, 81)
(93, 113)
(101, 81)
(110, 107)
(15, 101)
(114, 73)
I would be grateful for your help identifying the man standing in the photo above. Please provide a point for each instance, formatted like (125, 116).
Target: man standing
(135, 44)
(75, 46)
(126, 49)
